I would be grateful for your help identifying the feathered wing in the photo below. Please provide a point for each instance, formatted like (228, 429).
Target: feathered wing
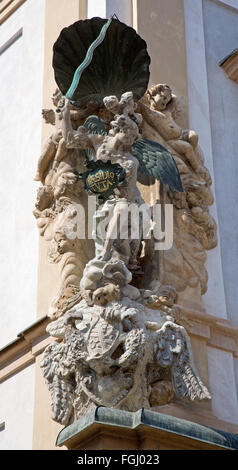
(94, 125)
(186, 383)
(174, 351)
(58, 376)
(157, 162)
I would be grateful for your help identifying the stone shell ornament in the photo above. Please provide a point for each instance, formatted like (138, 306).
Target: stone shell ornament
(120, 63)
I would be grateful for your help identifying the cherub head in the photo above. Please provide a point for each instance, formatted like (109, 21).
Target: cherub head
(103, 295)
(112, 104)
(125, 128)
(159, 96)
(167, 295)
(126, 105)
(44, 197)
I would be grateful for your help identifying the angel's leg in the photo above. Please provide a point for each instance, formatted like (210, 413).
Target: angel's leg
(45, 159)
(116, 241)
(186, 149)
(60, 154)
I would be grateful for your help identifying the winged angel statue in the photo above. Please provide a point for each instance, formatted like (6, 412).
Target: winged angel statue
(119, 343)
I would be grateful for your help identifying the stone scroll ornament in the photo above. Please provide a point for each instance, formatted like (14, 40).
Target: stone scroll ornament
(119, 338)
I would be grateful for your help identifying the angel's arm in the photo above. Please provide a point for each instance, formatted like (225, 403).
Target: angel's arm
(74, 139)
(67, 128)
(90, 109)
(176, 107)
(152, 117)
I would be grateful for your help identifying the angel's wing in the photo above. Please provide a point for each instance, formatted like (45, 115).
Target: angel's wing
(174, 351)
(94, 125)
(157, 162)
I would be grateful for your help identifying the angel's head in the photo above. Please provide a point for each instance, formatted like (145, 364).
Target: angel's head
(105, 294)
(125, 128)
(167, 295)
(112, 104)
(159, 96)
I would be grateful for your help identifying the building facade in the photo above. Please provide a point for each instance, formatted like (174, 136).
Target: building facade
(192, 45)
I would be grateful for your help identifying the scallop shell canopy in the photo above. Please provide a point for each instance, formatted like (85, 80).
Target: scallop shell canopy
(119, 64)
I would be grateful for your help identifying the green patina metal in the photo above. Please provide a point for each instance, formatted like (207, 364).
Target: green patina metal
(87, 60)
(120, 61)
(102, 178)
(151, 419)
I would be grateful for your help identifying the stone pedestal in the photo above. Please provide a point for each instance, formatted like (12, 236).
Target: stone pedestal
(110, 429)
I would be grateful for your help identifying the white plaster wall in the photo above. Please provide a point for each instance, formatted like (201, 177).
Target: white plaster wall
(106, 8)
(200, 120)
(236, 372)
(211, 34)
(96, 8)
(230, 3)
(16, 410)
(21, 66)
(222, 385)
(221, 38)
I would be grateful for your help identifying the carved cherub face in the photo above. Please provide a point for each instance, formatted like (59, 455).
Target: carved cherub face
(159, 96)
(62, 242)
(44, 197)
(167, 296)
(112, 104)
(106, 294)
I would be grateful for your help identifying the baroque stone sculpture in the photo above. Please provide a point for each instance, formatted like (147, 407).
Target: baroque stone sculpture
(195, 229)
(119, 336)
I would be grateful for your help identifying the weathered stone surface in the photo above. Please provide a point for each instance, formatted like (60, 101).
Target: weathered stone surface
(121, 355)
(195, 229)
(120, 343)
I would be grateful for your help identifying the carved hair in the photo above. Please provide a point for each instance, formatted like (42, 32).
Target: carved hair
(156, 90)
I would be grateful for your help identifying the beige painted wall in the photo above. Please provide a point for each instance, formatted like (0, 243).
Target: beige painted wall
(161, 24)
(58, 14)
(45, 430)
(16, 410)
